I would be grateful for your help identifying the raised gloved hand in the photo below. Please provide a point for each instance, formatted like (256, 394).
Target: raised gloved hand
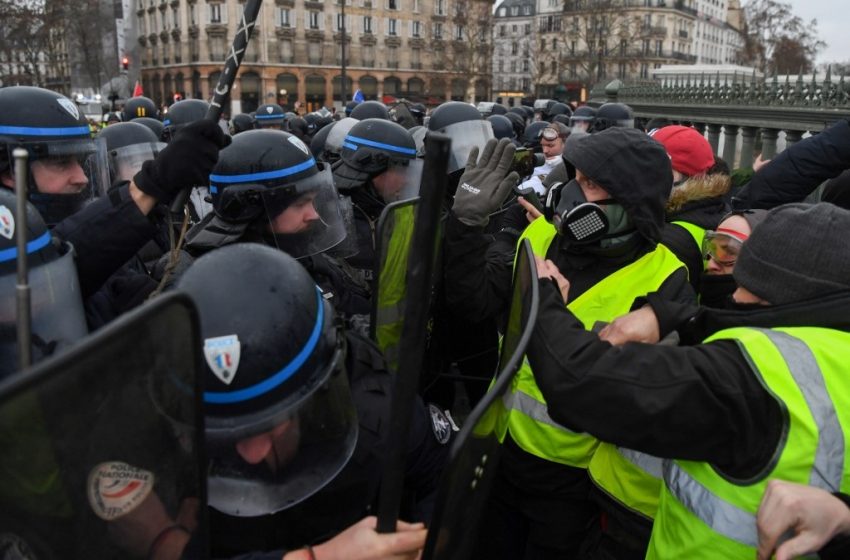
(485, 183)
(186, 162)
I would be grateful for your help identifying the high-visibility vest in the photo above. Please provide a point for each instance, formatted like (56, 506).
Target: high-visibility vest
(698, 233)
(392, 285)
(704, 514)
(524, 412)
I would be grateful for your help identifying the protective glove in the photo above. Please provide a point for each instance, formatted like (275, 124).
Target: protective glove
(186, 162)
(485, 183)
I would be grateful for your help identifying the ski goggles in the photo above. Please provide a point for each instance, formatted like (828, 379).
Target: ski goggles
(723, 245)
(550, 133)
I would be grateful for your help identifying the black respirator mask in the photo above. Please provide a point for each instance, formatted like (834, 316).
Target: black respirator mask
(584, 222)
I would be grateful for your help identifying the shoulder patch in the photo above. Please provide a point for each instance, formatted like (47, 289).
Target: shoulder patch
(115, 489)
(441, 425)
(7, 223)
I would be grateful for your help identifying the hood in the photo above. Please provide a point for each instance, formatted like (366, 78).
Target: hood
(633, 168)
(698, 189)
(346, 178)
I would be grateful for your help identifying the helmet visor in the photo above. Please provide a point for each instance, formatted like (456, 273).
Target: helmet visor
(286, 464)
(56, 304)
(723, 246)
(400, 181)
(305, 218)
(333, 143)
(465, 135)
(126, 161)
(68, 167)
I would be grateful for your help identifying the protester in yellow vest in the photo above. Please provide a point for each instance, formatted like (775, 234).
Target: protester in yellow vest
(764, 396)
(602, 231)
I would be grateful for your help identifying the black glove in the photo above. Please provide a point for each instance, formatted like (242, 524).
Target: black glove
(486, 183)
(186, 162)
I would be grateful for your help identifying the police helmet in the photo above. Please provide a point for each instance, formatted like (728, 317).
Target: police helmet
(57, 318)
(182, 113)
(350, 107)
(298, 127)
(270, 115)
(370, 110)
(332, 149)
(140, 106)
(558, 108)
(317, 143)
(518, 123)
(531, 139)
(279, 419)
(563, 119)
(487, 108)
(56, 135)
(613, 114)
(241, 123)
(583, 118)
(373, 147)
(128, 146)
(465, 126)
(153, 124)
(502, 127)
(264, 172)
(418, 111)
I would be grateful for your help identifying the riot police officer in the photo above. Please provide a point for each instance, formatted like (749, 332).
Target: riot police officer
(467, 129)
(370, 110)
(270, 115)
(611, 115)
(137, 107)
(582, 119)
(241, 123)
(296, 409)
(182, 113)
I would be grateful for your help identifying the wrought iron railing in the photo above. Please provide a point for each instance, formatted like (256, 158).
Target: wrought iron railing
(747, 112)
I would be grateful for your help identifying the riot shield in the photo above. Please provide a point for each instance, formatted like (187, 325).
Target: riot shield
(103, 445)
(474, 456)
(392, 247)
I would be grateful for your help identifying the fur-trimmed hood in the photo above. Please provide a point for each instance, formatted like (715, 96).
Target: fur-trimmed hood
(698, 189)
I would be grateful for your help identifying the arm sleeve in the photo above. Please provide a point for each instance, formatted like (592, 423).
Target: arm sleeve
(426, 458)
(798, 170)
(478, 269)
(105, 235)
(696, 403)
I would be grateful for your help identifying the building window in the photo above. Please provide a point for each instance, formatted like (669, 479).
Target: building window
(367, 24)
(659, 48)
(283, 17)
(514, 48)
(392, 27)
(416, 6)
(392, 57)
(525, 66)
(416, 58)
(313, 20)
(392, 4)
(513, 66)
(528, 29)
(314, 52)
(416, 28)
(515, 10)
(458, 33)
(438, 30)
(286, 51)
(526, 10)
(175, 17)
(215, 13)
(368, 55)
(501, 65)
(644, 71)
(340, 22)
(501, 30)
(193, 19)
(440, 7)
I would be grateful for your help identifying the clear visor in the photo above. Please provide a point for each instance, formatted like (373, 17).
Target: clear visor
(625, 123)
(333, 143)
(302, 452)
(58, 319)
(125, 162)
(465, 135)
(721, 247)
(77, 167)
(349, 246)
(307, 220)
(400, 181)
(419, 137)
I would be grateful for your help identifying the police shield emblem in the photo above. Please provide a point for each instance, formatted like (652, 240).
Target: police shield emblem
(7, 223)
(222, 355)
(269, 110)
(299, 144)
(69, 106)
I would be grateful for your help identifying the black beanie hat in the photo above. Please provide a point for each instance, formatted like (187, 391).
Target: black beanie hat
(798, 252)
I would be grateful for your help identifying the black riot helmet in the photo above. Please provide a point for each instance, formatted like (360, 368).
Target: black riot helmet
(349, 107)
(280, 421)
(270, 115)
(531, 138)
(375, 150)
(112, 118)
(140, 106)
(128, 146)
(67, 167)
(558, 108)
(613, 114)
(262, 178)
(464, 125)
(583, 118)
(241, 123)
(182, 113)
(155, 125)
(58, 319)
(418, 111)
(517, 122)
(298, 127)
(317, 143)
(502, 127)
(487, 108)
(332, 149)
(370, 110)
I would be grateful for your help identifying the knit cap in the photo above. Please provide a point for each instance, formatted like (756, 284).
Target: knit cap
(798, 252)
(689, 152)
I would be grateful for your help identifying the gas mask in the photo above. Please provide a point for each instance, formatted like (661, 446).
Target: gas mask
(584, 222)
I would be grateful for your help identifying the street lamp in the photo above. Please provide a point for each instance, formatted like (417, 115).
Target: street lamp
(342, 58)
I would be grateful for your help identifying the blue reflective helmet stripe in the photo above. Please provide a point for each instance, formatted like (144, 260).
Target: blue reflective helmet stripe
(351, 140)
(39, 131)
(262, 176)
(280, 116)
(36, 244)
(280, 377)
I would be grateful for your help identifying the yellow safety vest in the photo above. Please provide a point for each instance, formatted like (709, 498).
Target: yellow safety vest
(523, 411)
(704, 515)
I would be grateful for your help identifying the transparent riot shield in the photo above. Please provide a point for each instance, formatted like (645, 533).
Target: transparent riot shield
(392, 249)
(103, 445)
(474, 456)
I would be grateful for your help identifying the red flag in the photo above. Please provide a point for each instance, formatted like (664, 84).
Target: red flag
(137, 91)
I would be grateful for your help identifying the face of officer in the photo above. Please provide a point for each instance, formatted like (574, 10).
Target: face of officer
(276, 448)
(298, 216)
(54, 176)
(389, 183)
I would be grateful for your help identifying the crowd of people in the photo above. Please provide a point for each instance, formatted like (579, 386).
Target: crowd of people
(682, 394)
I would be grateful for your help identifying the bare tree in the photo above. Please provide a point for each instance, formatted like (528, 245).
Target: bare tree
(467, 52)
(90, 27)
(26, 31)
(771, 24)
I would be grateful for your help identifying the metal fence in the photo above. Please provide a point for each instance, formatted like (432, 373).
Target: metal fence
(751, 115)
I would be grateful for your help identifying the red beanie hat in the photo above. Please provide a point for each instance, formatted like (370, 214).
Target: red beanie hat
(690, 153)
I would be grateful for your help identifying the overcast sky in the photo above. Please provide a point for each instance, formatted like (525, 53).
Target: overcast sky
(833, 23)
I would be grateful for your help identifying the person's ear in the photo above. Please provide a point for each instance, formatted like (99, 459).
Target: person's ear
(7, 180)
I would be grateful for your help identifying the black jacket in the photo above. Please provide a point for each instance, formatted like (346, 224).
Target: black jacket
(352, 494)
(798, 170)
